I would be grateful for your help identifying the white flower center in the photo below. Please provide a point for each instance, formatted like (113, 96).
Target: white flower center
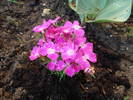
(66, 30)
(70, 52)
(37, 54)
(50, 51)
(76, 27)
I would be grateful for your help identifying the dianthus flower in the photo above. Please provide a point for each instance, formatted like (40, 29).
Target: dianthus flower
(35, 53)
(65, 46)
(45, 25)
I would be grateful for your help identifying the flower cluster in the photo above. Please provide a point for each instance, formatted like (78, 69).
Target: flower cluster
(65, 46)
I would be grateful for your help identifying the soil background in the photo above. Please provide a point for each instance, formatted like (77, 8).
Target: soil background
(22, 79)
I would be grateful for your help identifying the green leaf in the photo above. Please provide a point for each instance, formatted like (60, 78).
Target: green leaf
(102, 10)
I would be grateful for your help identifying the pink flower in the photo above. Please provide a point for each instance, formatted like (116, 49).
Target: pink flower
(51, 51)
(51, 32)
(87, 48)
(91, 57)
(60, 42)
(35, 53)
(76, 25)
(70, 71)
(51, 66)
(79, 41)
(43, 51)
(67, 28)
(54, 21)
(82, 61)
(68, 52)
(78, 29)
(41, 42)
(76, 67)
(65, 46)
(88, 52)
(45, 25)
(60, 65)
(56, 66)
(39, 28)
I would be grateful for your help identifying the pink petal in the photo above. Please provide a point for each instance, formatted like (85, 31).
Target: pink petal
(38, 28)
(84, 65)
(35, 53)
(82, 61)
(41, 42)
(68, 23)
(75, 22)
(87, 48)
(51, 66)
(53, 56)
(79, 32)
(50, 45)
(68, 54)
(43, 51)
(33, 58)
(76, 67)
(76, 25)
(60, 65)
(45, 25)
(80, 41)
(92, 57)
(70, 71)
(67, 28)
(55, 20)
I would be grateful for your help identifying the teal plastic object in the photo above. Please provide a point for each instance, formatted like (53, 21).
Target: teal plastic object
(102, 10)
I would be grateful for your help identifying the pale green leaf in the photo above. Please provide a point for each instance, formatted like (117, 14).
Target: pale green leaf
(102, 10)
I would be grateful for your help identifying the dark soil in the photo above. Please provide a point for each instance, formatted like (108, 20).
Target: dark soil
(22, 79)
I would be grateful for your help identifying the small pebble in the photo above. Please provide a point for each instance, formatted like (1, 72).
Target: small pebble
(44, 4)
(32, 36)
(131, 66)
(46, 12)
(127, 48)
(21, 33)
(111, 35)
